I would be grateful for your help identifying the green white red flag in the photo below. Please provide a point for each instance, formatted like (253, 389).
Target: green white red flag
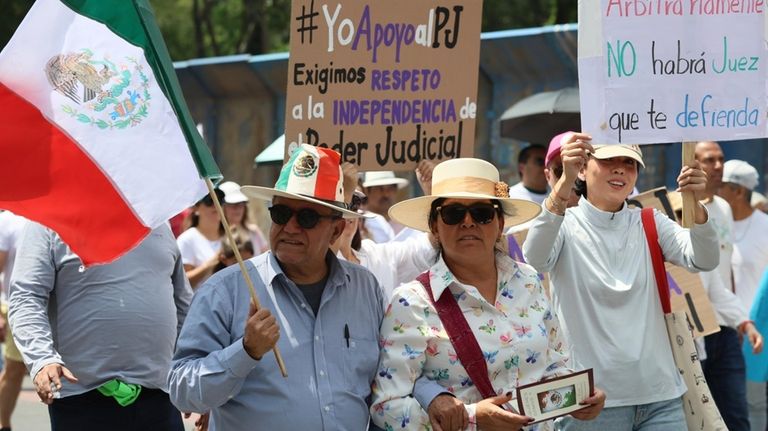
(97, 142)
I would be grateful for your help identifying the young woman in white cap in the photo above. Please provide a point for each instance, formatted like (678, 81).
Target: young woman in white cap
(603, 287)
(502, 301)
(235, 206)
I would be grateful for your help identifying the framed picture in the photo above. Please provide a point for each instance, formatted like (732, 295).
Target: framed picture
(556, 397)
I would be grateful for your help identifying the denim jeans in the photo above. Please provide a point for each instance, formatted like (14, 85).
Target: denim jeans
(726, 376)
(93, 411)
(660, 416)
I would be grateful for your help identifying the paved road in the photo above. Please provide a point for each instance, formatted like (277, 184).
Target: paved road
(32, 415)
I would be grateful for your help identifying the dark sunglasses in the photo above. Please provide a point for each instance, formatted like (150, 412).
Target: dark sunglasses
(358, 200)
(307, 218)
(454, 213)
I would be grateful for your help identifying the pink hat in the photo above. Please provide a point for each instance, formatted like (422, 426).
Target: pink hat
(554, 147)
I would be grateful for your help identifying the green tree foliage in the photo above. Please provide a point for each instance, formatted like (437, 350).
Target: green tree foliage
(205, 28)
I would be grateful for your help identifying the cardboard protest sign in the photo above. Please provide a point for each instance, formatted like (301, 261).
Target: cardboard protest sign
(654, 71)
(385, 84)
(655, 198)
(686, 291)
(687, 294)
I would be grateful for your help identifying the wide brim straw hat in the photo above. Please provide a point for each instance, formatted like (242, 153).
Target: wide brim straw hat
(312, 174)
(465, 178)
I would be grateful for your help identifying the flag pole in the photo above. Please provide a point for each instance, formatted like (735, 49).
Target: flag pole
(243, 270)
(689, 200)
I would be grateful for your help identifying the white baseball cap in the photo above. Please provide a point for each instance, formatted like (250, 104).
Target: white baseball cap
(383, 178)
(741, 173)
(232, 193)
(611, 151)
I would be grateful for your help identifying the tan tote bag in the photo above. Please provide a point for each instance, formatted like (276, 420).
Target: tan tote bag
(701, 413)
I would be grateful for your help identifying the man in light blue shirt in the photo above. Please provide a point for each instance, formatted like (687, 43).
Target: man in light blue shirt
(323, 314)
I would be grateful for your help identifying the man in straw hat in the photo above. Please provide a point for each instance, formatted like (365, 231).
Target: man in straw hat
(381, 190)
(322, 313)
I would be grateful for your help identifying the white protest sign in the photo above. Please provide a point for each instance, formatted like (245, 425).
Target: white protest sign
(655, 71)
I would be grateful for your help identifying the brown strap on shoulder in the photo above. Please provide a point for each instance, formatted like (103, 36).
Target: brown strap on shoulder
(461, 336)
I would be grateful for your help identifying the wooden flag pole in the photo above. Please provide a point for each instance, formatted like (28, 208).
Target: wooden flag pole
(689, 201)
(243, 270)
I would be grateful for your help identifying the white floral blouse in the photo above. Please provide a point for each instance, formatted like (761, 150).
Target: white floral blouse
(519, 336)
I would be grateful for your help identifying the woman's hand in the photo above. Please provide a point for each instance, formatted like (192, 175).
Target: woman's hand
(574, 153)
(595, 402)
(693, 179)
(490, 415)
(447, 413)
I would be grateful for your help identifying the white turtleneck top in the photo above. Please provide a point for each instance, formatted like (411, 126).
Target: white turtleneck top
(604, 292)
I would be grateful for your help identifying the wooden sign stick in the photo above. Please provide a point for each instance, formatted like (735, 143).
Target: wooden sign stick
(243, 270)
(689, 201)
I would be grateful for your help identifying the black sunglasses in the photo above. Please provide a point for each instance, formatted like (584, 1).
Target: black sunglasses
(307, 218)
(454, 213)
(358, 200)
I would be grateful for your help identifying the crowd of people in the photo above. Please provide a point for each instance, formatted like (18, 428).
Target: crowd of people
(396, 315)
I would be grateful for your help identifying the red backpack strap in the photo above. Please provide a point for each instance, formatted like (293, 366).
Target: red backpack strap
(461, 336)
(657, 257)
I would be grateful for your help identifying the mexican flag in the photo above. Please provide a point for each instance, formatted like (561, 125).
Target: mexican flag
(96, 141)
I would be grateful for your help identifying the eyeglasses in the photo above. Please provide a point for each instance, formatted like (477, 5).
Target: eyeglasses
(454, 213)
(307, 218)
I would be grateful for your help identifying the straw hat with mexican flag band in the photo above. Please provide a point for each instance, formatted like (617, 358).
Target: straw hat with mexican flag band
(464, 178)
(312, 174)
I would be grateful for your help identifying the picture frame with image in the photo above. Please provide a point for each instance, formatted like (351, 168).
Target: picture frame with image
(552, 398)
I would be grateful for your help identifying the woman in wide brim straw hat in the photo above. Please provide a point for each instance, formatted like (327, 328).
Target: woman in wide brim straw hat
(603, 286)
(502, 300)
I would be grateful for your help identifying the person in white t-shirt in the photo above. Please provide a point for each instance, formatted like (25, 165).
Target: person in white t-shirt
(724, 366)
(603, 286)
(381, 188)
(392, 263)
(235, 205)
(533, 182)
(201, 243)
(749, 260)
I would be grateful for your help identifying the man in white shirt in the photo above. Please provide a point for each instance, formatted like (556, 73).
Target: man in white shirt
(724, 367)
(750, 257)
(533, 182)
(381, 189)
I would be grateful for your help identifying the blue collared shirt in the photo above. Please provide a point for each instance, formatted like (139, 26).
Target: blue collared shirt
(329, 377)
